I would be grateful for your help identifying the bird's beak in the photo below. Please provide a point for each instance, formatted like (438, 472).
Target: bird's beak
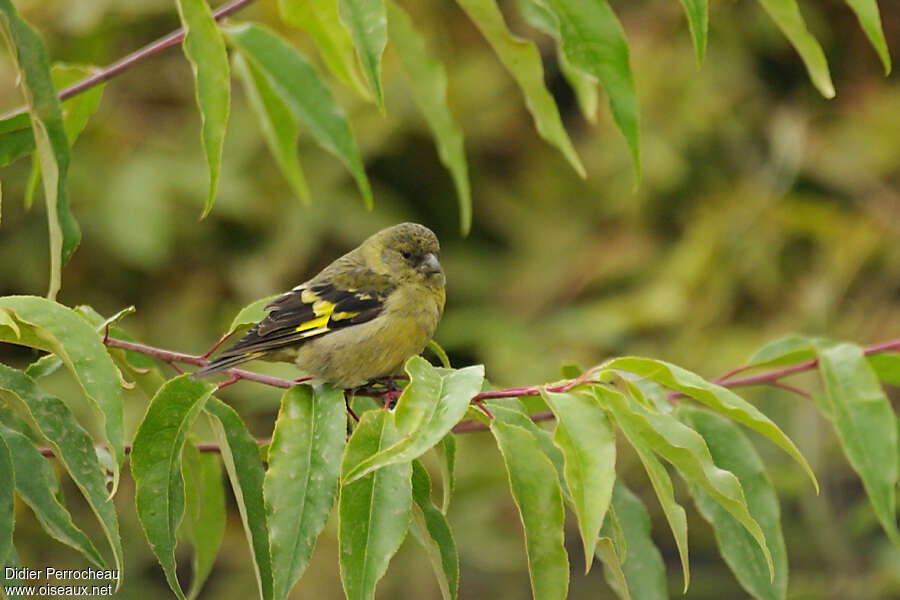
(430, 264)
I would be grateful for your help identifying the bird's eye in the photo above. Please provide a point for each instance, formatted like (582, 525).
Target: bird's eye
(406, 255)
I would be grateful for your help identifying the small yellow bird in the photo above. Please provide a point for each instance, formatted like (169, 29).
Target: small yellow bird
(360, 318)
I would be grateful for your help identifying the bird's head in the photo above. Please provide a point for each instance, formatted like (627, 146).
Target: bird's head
(411, 251)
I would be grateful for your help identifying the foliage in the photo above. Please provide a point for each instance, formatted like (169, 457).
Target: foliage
(666, 416)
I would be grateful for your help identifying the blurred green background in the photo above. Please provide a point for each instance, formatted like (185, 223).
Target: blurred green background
(764, 209)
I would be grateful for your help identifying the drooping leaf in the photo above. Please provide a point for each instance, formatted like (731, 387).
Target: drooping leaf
(612, 567)
(870, 20)
(299, 86)
(586, 438)
(39, 488)
(716, 397)
(733, 451)
(244, 466)
(594, 41)
(204, 523)
(7, 498)
(434, 401)
(697, 13)
(16, 139)
(366, 20)
(321, 20)
(302, 480)
(447, 453)
(436, 536)
(33, 66)
(156, 466)
(523, 62)
(374, 511)
(512, 412)
(539, 499)
(54, 328)
(71, 445)
(428, 79)
(786, 14)
(865, 424)
(886, 366)
(204, 47)
(642, 563)
(687, 451)
(278, 125)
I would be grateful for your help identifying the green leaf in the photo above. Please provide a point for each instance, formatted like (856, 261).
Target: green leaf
(204, 47)
(687, 451)
(11, 561)
(642, 564)
(302, 481)
(204, 525)
(786, 15)
(697, 13)
(251, 314)
(320, 19)
(244, 466)
(606, 552)
(865, 424)
(436, 538)
(783, 351)
(588, 443)
(870, 20)
(440, 353)
(434, 401)
(514, 413)
(7, 499)
(77, 110)
(279, 127)
(33, 66)
(594, 41)
(156, 466)
(715, 396)
(374, 511)
(366, 20)
(71, 444)
(886, 366)
(54, 328)
(299, 86)
(523, 62)
(40, 490)
(662, 487)
(731, 450)
(583, 84)
(539, 499)
(16, 138)
(428, 79)
(447, 453)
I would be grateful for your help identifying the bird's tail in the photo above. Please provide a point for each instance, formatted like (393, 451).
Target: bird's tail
(224, 363)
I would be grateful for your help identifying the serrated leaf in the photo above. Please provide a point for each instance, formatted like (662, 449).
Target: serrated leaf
(428, 79)
(71, 444)
(33, 67)
(436, 536)
(244, 466)
(54, 328)
(588, 443)
(204, 47)
(301, 483)
(697, 13)
(366, 20)
(731, 450)
(714, 396)
(662, 487)
(320, 19)
(7, 498)
(434, 401)
(687, 451)
(523, 62)
(279, 128)
(865, 424)
(204, 523)
(374, 511)
(642, 563)
(39, 488)
(299, 86)
(594, 41)
(786, 14)
(870, 21)
(539, 499)
(886, 366)
(156, 466)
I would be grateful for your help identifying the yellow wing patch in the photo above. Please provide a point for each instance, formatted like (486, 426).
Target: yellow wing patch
(314, 323)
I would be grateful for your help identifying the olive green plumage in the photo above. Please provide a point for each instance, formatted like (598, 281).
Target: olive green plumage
(360, 318)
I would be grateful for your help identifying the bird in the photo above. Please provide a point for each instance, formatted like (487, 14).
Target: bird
(357, 320)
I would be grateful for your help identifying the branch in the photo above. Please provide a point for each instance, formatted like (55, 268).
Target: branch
(126, 62)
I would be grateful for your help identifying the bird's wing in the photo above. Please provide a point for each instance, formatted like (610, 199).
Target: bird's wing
(311, 310)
